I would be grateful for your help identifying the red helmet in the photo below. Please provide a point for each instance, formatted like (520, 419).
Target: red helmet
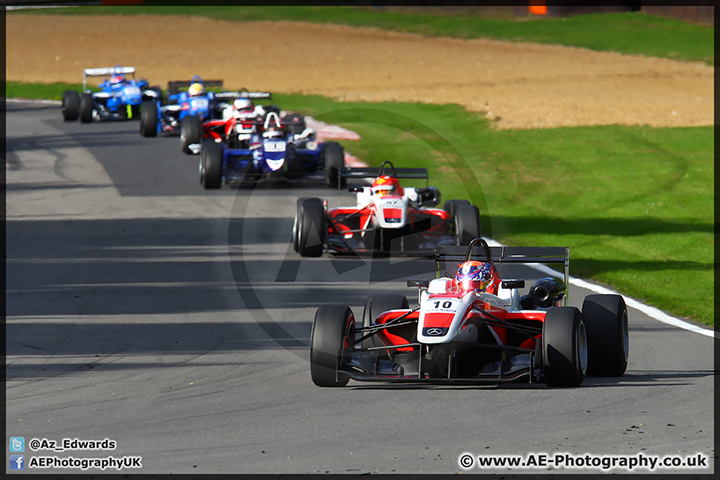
(387, 185)
(475, 275)
(117, 79)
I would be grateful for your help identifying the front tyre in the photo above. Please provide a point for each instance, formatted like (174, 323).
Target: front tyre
(606, 322)
(70, 105)
(149, 118)
(211, 157)
(311, 228)
(332, 331)
(296, 222)
(564, 347)
(86, 108)
(190, 133)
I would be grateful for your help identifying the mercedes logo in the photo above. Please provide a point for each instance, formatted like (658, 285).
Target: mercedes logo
(434, 331)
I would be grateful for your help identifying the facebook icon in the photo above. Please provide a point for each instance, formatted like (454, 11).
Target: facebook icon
(17, 462)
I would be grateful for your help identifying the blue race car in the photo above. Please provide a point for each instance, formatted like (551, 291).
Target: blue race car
(174, 117)
(119, 99)
(251, 142)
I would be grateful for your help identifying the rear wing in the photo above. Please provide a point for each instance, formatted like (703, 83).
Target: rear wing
(174, 86)
(374, 172)
(243, 94)
(99, 72)
(479, 250)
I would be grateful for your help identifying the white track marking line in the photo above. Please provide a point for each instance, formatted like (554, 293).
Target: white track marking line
(651, 312)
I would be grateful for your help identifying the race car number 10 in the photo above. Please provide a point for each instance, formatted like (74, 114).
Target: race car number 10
(441, 305)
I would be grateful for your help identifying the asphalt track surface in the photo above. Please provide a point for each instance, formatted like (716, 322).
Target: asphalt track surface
(176, 321)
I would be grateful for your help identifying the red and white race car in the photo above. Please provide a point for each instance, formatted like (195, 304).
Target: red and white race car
(474, 328)
(386, 217)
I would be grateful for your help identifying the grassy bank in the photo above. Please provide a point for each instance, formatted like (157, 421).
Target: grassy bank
(632, 33)
(634, 204)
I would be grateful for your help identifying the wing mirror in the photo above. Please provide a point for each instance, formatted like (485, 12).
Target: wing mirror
(513, 283)
(428, 196)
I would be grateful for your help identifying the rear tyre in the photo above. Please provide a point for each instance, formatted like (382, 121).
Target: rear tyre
(606, 322)
(190, 133)
(70, 105)
(148, 118)
(296, 222)
(334, 163)
(564, 347)
(332, 330)
(311, 228)
(376, 305)
(294, 123)
(211, 157)
(467, 223)
(86, 108)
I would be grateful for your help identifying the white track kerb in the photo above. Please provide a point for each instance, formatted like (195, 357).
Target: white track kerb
(651, 312)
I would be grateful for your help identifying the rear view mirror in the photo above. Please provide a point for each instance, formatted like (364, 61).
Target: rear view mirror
(417, 282)
(513, 283)
(355, 189)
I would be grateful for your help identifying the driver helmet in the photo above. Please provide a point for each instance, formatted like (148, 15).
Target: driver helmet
(196, 89)
(474, 275)
(243, 104)
(386, 186)
(117, 80)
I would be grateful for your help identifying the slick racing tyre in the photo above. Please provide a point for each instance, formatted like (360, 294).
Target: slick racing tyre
(333, 162)
(564, 347)
(70, 105)
(211, 157)
(332, 330)
(606, 322)
(294, 123)
(86, 108)
(190, 133)
(467, 224)
(311, 228)
(376, 305)
(296, 222)
(148, 118)
(450, 207)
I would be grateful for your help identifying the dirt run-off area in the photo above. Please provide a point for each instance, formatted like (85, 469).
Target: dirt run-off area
(518, 85)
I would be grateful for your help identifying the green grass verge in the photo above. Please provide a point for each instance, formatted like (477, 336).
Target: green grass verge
(50, 91)
(632, 33)
(634, 204)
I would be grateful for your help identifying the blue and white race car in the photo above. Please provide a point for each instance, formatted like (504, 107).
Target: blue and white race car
(183, 112)
(119, 99)
(251, 142)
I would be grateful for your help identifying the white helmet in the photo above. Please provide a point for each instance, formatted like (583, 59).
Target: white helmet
(243, 103)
